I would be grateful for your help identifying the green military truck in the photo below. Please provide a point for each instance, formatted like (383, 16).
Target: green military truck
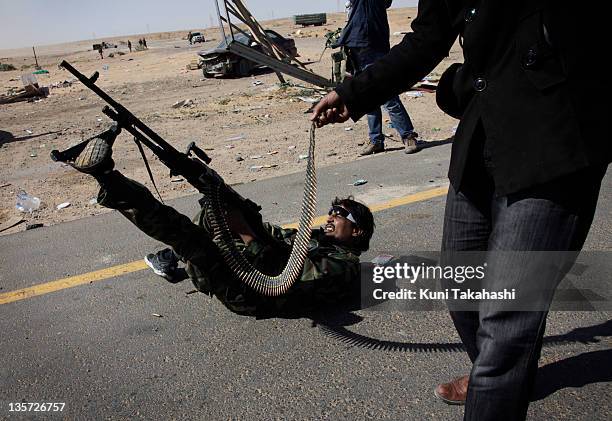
(315, 19)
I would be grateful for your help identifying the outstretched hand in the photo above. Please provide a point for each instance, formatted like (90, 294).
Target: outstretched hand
(330, 109)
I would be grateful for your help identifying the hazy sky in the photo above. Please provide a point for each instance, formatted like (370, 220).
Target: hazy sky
(25, 23)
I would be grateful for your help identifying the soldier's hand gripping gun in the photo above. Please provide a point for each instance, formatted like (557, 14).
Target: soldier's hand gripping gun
(192, 164)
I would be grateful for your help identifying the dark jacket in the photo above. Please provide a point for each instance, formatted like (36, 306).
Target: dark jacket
(529, 77)
(367, 26)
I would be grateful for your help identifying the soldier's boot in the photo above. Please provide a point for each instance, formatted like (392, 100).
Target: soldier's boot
(372, 148)
(410, 143)
(96, 159)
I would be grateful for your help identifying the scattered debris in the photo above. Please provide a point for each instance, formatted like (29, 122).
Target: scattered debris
(62, 205)
(177, 180)
(193, 291)
(382, 259)
(239, 137)
(5, 185)
(4, 67)
(183, 103)
(33, 155)
(194, 64)
(291, 147)
(414, 94)
(41, 72)
(156, 315)
(360, 182)
(332, 154)
(310, 100)
(272, 153)
(93, 201)
(30, 92)
(239, 158)
(303, 156)
(348, 129)
(33, 226)
(26, 202)
(29, 131)
(259, 167)
(256, 157)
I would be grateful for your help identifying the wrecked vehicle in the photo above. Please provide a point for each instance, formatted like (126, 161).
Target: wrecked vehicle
(221, 62)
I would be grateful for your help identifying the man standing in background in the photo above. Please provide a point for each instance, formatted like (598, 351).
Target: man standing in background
(366, 39)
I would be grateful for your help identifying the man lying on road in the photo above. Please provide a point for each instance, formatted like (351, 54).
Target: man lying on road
(330, 273)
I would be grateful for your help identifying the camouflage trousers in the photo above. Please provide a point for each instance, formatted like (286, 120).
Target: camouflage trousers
(193, 243)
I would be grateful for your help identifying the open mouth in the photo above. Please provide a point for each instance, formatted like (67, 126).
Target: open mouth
(329, 228)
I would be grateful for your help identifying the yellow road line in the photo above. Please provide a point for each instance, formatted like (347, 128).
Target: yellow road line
(99, 275)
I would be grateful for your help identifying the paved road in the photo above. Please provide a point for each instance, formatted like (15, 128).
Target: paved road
(99, 348)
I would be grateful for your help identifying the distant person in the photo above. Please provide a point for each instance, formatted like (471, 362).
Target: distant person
(144, 43)
(130, 45)
(366, 39)
(140, 43)
(100, 51)
(189, 35)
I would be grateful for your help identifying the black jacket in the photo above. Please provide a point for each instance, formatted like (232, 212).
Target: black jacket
(530, 76)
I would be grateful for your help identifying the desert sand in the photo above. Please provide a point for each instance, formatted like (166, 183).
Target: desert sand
(263, 123)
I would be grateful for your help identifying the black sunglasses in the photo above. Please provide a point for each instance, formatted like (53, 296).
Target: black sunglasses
(336, 210)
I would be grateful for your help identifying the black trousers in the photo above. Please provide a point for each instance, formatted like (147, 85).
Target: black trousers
(504, 346)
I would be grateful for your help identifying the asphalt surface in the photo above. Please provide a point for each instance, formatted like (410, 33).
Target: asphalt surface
(100, 349)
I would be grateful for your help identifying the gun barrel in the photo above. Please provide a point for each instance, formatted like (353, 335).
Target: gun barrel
(126, 117)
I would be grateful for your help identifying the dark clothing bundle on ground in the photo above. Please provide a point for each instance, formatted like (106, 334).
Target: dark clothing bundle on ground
(330, 274)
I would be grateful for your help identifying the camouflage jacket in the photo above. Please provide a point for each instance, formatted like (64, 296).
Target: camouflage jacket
(330, 275)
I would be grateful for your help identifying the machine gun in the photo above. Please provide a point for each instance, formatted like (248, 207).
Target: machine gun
(193, 166)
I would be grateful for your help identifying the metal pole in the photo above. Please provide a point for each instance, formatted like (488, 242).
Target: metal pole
(228, 19)
(220, 21)
(35, 58)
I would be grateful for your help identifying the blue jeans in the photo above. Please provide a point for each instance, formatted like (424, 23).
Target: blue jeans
(504, 346)
(363, 58)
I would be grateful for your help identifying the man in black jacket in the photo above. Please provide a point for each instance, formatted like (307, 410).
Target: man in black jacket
(527, 161)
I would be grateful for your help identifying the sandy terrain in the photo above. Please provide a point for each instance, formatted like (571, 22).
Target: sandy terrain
(228, 118)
